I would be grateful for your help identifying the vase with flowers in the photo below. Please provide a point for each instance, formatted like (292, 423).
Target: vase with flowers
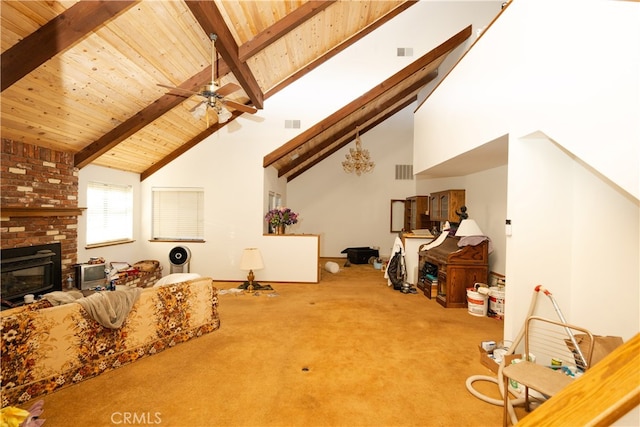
(279, 218)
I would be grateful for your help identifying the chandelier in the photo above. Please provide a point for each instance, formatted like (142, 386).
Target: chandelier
(358, 160)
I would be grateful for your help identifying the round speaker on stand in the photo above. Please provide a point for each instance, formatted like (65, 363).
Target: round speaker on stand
(179, 258)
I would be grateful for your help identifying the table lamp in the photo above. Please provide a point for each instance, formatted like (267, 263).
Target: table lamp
(468, 227)
(251, 260)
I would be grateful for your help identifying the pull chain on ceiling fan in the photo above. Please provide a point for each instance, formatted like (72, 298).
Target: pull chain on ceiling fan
(214, 94)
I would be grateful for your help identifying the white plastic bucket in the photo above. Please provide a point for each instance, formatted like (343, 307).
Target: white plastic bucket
(477, 303)
(496, 302)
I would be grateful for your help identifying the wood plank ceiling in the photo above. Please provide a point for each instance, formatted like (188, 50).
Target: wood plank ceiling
(82, 76)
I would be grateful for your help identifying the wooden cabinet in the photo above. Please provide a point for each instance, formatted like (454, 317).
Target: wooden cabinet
(457, 269)
(444, 204)
(427, 278)
(415, 213)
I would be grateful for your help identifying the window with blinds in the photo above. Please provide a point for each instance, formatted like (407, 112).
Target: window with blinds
(109, 213)
(178, 214)
(275, 200)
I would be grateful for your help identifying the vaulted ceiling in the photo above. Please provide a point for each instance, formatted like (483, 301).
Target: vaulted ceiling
(83, 76)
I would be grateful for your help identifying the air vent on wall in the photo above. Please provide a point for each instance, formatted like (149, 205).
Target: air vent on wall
(405, 51)
(404, 172)
(292, 124)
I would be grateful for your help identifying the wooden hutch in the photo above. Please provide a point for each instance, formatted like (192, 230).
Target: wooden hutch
(443, 205)
(416, 214)
(456, 270)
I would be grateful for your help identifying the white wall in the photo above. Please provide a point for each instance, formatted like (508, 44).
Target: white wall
(486, 201)
(574, 233)
(229, 168)
(130, 252)
(534, 70)
(349, 210)
(486, 198)
(229, 163)
(276, 185)
(372, 59)
(562, 79)
(535, 64)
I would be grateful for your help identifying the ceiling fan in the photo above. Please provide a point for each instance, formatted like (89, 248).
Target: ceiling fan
(214, 95)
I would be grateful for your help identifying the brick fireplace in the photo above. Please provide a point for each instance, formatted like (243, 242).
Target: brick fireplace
(39, 200)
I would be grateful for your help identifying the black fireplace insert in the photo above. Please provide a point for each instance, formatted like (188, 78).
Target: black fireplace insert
(29, 270)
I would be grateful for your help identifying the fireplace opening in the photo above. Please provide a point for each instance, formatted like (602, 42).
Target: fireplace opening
(29, 270)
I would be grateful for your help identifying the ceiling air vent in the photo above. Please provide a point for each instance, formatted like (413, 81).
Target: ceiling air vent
(292, 124)
(405, 51)
(404, 172)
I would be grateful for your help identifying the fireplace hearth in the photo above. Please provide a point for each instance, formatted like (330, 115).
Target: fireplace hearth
(29, 270)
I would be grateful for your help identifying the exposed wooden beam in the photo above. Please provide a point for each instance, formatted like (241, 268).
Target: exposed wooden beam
(138, 121)
(353, 106)
(188, 145)
(373, 124)
(342, 46)
(55, 36)
(341, 130)
(212, 21)
(282, 27)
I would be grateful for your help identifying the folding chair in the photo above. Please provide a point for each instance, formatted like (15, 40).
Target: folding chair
(552, 358)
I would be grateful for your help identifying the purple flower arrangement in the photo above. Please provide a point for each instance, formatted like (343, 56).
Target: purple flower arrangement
(281, 216)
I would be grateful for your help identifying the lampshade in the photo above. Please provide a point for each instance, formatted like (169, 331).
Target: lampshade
(223, 115)
(199, 111)
(251, 259)
(468, 227)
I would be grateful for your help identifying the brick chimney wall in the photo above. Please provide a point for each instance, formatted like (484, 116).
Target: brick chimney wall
(38, 177)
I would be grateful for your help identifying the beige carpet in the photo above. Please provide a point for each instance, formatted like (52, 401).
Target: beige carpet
(348, 351)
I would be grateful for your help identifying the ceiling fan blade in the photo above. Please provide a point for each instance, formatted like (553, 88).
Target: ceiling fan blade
(179, 89)
(240, 107)
(228, 89)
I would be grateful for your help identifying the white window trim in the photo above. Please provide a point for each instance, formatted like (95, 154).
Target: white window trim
(109, 217)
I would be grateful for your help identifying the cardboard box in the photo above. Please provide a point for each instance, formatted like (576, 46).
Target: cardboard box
(486, 358)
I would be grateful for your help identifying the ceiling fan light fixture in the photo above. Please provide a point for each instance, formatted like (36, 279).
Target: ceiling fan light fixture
(214, 94)
(223, 115)
(199, 110)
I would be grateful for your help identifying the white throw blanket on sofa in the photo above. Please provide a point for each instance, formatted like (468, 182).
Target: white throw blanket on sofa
(110, 308)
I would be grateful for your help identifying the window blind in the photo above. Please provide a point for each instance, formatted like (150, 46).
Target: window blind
(109, 213)
(178, 214)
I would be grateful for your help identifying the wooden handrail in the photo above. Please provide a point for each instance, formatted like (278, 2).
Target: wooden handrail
(606, 392)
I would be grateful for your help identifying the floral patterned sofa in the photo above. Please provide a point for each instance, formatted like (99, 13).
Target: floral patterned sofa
(45, 348)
